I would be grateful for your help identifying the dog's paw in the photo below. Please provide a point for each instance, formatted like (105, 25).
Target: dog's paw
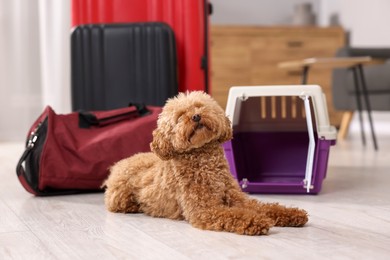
(292, 217)
(259, 226)
(239, 221)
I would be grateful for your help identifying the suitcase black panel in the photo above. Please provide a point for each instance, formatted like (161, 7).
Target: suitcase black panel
(115, 64)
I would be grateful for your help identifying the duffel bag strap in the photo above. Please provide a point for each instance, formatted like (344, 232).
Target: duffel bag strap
(98, 119)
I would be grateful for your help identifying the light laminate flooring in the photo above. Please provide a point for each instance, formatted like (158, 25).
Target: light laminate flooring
(349, 219)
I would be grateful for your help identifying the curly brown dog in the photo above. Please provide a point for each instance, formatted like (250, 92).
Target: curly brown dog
(186, 176)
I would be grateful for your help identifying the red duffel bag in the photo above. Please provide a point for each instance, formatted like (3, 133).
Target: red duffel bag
(71, 153)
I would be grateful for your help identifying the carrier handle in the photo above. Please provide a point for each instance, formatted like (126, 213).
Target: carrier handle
(103, 118)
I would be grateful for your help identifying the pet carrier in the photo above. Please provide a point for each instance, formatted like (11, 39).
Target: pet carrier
(281, 138)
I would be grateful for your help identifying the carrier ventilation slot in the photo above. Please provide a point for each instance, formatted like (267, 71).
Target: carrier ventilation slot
(281, 107)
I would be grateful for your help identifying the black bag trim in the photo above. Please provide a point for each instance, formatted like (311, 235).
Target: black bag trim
(31, 158)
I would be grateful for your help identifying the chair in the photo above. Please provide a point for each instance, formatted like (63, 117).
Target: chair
(348, 88)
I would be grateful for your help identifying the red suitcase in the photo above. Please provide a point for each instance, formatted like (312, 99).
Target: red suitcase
(189, 20)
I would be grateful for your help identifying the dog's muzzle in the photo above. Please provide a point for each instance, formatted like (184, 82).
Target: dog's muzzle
(198, 125)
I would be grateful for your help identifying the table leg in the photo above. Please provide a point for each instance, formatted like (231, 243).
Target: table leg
(368, 105)
(358, 102)
(344, 126)
(304, 74)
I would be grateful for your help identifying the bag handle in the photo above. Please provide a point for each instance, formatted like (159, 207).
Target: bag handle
(99, 119)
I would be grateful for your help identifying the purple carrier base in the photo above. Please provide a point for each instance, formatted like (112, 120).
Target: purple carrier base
(275, 162)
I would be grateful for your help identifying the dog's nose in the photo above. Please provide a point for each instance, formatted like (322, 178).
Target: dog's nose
(196, 118)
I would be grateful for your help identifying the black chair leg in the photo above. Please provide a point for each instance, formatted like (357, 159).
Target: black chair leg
(368, 105)
(358, 102)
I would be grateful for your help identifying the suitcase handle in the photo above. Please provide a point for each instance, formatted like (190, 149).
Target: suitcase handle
(103, 118)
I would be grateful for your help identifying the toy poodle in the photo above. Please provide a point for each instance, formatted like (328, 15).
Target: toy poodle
(186, 176)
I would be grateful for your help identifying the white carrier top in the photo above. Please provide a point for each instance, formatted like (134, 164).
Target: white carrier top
(239, 94)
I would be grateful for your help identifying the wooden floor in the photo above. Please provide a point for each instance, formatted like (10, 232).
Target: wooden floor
(349, 219)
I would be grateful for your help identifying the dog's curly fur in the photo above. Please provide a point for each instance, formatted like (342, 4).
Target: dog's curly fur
(186, 176)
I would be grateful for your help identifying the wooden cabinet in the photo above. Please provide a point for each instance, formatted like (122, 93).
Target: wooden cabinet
(249, 55)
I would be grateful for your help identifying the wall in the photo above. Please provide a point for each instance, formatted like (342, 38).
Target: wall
(368, 22)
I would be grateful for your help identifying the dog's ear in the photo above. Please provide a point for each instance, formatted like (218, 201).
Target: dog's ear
(227, 131)
(161, 145)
